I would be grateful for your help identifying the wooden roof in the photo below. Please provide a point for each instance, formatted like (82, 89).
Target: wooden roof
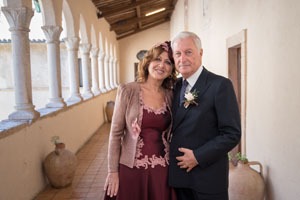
(127, 17)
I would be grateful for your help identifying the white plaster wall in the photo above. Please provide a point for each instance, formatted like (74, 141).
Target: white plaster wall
(273, 91)
(177, 19)
(23, 151)
(39, 65)
(6, 74)
(131, 45)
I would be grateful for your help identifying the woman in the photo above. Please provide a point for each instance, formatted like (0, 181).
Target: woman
(138, 151)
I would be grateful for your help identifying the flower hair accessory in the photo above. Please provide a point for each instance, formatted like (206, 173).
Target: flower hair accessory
(190, 98)
(167, 47)
(163, 45)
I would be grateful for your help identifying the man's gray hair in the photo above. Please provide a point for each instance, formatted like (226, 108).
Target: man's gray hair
(186, 34)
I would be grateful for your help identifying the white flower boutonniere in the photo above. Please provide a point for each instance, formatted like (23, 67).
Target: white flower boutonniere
(190, 98)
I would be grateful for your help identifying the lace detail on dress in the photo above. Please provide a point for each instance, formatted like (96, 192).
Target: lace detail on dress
(135, 128)
(159, 111)
(148, 161)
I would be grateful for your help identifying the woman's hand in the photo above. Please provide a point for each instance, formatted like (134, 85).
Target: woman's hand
(112, 184)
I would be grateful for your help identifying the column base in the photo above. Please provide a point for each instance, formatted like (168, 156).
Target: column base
(87, 95)
(74, 99)
(96, 91)
(108, 89)
(59, 103)
(24, 115)
(103, 90)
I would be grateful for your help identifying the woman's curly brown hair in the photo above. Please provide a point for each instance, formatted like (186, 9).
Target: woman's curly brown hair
(152, 54)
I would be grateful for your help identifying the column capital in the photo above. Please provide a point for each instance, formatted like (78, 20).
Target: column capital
(52, 33)
(106, 58)
(72, 43)
(85, 48)
(101, 55)
(111, 59)
(94, 52)
(18, 18)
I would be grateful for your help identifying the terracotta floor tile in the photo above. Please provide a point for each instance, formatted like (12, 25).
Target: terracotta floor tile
(49, 196)
(90, 173)
(96, 189)
(94, 198)
(94, 194)
(60, 196)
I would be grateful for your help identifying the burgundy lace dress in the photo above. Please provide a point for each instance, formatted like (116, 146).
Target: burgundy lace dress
(148, 179)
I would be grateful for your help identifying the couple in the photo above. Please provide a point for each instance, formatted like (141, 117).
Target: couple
(168, 145)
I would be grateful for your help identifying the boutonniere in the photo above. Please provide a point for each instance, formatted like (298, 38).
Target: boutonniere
(190, 98)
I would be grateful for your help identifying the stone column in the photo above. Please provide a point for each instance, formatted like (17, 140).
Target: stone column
(106, 73)
(101, 71)
(86, 70)
(106, 68)
(95, 71)
(111, 70)
(72, 44)
(115, 67)
(118, 73)
(19, 20)
(52, 34)
(115, 72)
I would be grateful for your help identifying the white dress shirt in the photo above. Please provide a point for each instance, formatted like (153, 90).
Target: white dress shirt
(193, 79)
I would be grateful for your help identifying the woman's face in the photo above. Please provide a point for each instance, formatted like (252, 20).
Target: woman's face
(161, 67)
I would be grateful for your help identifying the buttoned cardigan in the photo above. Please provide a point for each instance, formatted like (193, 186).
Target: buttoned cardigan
(126, 123)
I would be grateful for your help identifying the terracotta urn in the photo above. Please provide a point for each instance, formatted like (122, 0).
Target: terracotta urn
(60, 166)
(246, 183)
(109, 110)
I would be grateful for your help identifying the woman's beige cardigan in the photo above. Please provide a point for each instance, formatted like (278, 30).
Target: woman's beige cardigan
(125, 125)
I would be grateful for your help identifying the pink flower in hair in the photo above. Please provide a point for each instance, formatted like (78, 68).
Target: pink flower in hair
(164, 45)
(167, 47)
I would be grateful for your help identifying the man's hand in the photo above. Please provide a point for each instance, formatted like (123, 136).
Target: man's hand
(187, 160)
(112, 184)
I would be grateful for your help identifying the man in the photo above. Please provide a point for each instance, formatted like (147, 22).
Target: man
(206, 125)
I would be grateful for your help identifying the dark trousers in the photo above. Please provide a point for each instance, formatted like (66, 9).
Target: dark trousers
(189, 194)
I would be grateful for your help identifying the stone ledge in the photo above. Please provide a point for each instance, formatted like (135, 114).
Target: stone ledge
(8, 127)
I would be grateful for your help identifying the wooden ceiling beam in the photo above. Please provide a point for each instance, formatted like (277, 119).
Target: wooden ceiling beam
(124, 23)
(138, 12)
(106, 12)
(142, 29)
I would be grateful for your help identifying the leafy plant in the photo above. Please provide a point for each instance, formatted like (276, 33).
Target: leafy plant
(237, 157)
(230, 156)
(55, 139)
(241, 157)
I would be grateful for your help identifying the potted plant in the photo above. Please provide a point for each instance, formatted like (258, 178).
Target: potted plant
(244, 182)
(60, 165)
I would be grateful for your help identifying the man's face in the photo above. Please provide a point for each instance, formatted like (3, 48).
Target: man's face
(186, 56)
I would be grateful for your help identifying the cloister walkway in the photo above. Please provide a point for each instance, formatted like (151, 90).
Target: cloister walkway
(90, 173)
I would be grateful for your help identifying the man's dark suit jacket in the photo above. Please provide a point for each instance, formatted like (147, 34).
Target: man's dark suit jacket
(210, 129)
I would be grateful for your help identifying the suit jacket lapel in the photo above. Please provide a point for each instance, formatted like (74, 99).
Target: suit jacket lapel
(201, 85)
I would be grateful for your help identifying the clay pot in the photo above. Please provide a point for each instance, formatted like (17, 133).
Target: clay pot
(246, 183)
(109, 110)
(60, 166)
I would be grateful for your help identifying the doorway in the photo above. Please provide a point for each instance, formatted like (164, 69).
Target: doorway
(237, 73)
(234, 74)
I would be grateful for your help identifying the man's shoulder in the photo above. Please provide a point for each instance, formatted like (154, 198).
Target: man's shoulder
(178, 81)
(216, 77)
